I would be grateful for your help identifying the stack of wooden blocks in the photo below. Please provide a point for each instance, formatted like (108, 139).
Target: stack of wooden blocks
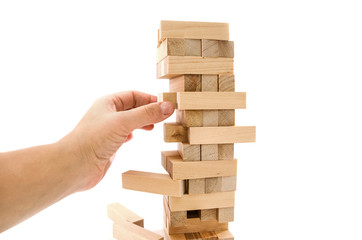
(199, 189)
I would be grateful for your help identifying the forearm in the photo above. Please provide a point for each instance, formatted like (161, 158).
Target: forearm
(34, 178)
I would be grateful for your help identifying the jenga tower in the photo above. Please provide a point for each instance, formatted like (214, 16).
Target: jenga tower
(198, 58)
(199, 189)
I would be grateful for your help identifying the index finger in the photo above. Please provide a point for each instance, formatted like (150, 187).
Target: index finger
(131, 99)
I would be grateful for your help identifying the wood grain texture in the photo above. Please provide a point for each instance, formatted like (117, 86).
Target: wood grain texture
(210, 48)
(210, 118)
(209, 152)
(213, 184)
(193, 47)
(173, 66)
(195, 225)
(119, 213)
(226, 49)
(221, 135)
(208, 214)
(211, 100)
(185, 83)
(226, 117)
(228, 183)
(203, 201)
(226, 83)
(209, 83)
(153, 183)
(196, 186)
(225, 214)
(189, 152)
(173, 132)
(190, 118)
(193, 30)
(224, 235)
(226, 151)
(127, 231)
(179, 169)
(170, 47)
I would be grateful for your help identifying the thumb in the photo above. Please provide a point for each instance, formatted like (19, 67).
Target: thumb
(146, 115)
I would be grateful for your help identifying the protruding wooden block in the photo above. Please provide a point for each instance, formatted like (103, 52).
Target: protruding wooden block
(195, 225)
(126, 231)
(168, 97)
(225, 214)
(173, 66)
(211, 100)
(189, 152)
(226, 83)
(203, 201)
(209, 152)
(228, 183)
(189, 118)
(210, 118)
(221, 135)
(173, 132)
(208, 214)
(226, 117)
(226, 49)
(152, 183)
(226, 151)
(213, 184)
(186, 83)
(210, 48)
(224, 235)
(196, 186)
(179, 169)
(193, 47)
(119, 213)
(193, 30)
(166, 154)
(209, 83)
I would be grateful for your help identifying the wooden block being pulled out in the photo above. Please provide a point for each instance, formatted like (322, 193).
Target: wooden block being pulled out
(152, 183)
(127, 231)
(173, 66)
(205, 100)
(179, 169)
(119, 213)
(202, 201)
(193, 30)
(220, 135)
(173, 132)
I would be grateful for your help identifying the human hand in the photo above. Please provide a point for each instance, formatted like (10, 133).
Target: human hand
(107, 125)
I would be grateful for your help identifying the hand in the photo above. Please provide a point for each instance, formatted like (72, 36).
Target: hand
(107, 125)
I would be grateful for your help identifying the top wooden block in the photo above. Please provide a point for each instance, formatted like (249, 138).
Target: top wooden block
(193, 30)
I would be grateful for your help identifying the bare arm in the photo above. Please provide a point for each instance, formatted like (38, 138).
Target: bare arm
(35, 178)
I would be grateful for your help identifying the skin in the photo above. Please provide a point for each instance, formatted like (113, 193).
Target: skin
(34, 178)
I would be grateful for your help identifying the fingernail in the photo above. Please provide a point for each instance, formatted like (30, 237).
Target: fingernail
(166, 108)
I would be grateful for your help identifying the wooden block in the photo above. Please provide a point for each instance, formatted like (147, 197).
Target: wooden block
(226, 151)
(210, 48)
(209, 235)
(220, 135)
(193, 236)
(173, 66)
(209, 152)
(226, 83)
(119, 213)
(179, 169)
(226, 117)
(213, 184)
(225, 214)
(170, 47)
(193, 47)
(186, 83)
(211, 100)
(202, 201)
(180, 236)
(189, 118)
(152, 183)
(208, 214)
(209, 83)
(173, 132)
(166, 154)
(127, 231)
(189, 152)
(168, 97)
(196, 186)
(195, 225)
(228, 183)
(224, 235)
(194, 30)
(210, 118)
(226, 49)
(176, 218)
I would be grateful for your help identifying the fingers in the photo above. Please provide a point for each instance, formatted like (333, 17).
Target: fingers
(148, 127)
(131, 99)
(129, 137)
(145, 115)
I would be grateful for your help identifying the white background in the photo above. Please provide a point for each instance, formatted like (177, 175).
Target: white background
(300, 63)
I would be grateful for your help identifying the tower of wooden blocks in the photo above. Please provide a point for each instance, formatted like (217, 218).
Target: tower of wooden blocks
(199, 189)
